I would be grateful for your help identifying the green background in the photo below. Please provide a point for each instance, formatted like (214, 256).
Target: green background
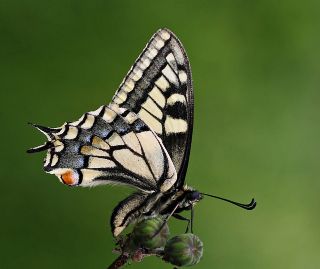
(256, 79)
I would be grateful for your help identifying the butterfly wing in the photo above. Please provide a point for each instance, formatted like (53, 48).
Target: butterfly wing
(109, 146)
(158, 88)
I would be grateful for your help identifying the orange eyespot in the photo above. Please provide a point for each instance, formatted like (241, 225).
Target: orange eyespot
(69, 178)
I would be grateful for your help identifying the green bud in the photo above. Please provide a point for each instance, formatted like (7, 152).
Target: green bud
(183, 250)
(144, 231)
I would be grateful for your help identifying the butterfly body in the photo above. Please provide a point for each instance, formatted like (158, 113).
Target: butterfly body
(165, 204)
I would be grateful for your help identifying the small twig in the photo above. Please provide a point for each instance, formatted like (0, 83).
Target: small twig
(137, 256)
(119, 262)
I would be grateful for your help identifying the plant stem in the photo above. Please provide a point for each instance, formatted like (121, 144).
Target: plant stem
(119, 262)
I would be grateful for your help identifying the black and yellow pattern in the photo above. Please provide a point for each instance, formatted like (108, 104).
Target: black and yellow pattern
(141, 139)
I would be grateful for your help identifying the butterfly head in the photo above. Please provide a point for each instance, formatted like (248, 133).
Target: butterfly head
(192, 196)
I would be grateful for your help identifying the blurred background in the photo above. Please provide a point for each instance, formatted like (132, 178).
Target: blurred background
(257, 126)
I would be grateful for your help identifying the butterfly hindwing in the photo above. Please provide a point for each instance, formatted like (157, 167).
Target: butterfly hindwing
(158, 88)
(131, 208)
(110, 146)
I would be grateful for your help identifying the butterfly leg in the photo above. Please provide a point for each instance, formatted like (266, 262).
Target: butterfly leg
(179, 217)
(166, 220)
(192, 215)
(190, 221)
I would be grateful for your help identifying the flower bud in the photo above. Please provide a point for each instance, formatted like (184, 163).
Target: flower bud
(183, 250)
(143, 234)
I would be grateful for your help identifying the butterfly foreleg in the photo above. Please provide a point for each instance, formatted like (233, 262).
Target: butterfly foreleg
(179, 217)
(166, 220)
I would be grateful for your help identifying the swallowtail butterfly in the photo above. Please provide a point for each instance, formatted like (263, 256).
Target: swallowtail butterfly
(141, 139)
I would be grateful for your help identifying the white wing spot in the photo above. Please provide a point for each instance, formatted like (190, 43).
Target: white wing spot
(170, 75)
(48, 157)
(55, 160)
(153, 152)
(128, 85)
(132, 162)
(176, 98)
(145, 62)
(151, 53)
(88, 123)
(162, 83)
(164, 34)
(172, 125)
(157, 96)
(115, 140)
(151, 121)
(158, 42)
(109, 115)
(95, 162)
(122, 95)
(172, 61)
(136, 74)
(132, 142)
(131, 117)
(58, 146)
(72, 133)
(151, 106)
(183, 77)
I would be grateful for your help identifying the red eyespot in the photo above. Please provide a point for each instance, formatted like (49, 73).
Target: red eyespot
(69, 178)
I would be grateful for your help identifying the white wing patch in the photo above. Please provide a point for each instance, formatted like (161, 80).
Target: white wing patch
(55, 160)
(183, 77)
(172, 62)
(151, 121)
(95, 162)
(153, 152)
(133, 163)
(58, 146)
(162, 83)
(72, 133)
(115, 140)
(176, 98)
(109, 115)
(132, 142)
(151, 106)
(89, 176)
(175, 125)
(157, 96)
(170, 75)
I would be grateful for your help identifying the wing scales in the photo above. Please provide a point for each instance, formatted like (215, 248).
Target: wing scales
(111, 146)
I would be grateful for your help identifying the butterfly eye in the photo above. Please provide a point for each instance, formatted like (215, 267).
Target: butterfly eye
(195, 196)
(70, 177)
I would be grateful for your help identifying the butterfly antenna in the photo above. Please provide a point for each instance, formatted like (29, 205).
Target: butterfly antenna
(249, 206)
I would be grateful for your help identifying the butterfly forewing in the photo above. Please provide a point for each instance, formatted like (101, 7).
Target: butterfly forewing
(158, 88)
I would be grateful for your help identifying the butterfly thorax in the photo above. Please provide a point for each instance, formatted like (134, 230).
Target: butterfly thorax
(178, 200)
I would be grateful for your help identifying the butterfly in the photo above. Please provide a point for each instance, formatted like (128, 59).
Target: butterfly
(141, 139)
